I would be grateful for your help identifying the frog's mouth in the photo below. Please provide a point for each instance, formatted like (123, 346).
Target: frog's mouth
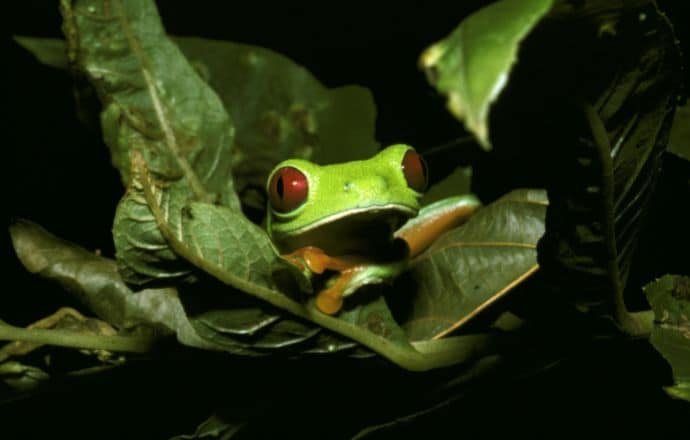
(359, 231)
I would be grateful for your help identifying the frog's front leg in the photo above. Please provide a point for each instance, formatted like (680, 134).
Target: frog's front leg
(353, 273)
(435, 219)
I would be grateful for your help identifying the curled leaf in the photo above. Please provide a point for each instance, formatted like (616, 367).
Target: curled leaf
(471, 65)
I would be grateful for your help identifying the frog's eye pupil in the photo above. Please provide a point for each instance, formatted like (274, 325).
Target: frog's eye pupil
(287, 189)
(279, 187)
(415, 171)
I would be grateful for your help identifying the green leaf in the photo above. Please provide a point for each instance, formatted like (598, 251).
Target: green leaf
(95, 282)
(21, 378)
(153, 102)
(218, 426)
(49, 51)
(153, 99)
(669, 297)
(143, 254)
(471, 65)
(472, 266)
(280, 110)
(679, 141)
(244, 327)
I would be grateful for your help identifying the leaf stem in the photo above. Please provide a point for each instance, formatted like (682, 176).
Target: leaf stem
(627, 322)
(138, 344)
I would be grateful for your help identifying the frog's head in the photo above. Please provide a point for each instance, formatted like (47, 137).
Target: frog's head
(347, 207)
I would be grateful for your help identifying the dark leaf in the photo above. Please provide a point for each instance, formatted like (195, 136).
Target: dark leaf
(247, 329)
(472, 266)
(590, 124)
(96, 283)
(49, 51)
(218, 426)
(456, 183)
(21, 378)
(610, 161)
(679, 140)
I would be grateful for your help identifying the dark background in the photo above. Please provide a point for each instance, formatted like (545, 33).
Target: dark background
(59, 176)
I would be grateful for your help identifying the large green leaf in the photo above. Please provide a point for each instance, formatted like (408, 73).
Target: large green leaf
(153, 99)
(471, 267)
(669, 297)
(244, 327)
(153, 102)
(278, 108)
(471, 65)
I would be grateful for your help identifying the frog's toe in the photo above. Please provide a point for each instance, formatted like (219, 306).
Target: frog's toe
(329, 301)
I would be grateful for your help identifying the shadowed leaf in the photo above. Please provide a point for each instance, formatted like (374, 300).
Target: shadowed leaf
(679, 140)
(248, 329)
(472, 266)
(456, 183)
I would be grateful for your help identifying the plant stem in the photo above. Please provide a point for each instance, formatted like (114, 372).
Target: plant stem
(64, 338)
(624, 319)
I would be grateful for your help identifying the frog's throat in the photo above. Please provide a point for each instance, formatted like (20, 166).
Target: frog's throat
(372, 209)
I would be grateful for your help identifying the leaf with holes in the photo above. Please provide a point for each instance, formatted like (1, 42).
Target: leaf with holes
(153, 102)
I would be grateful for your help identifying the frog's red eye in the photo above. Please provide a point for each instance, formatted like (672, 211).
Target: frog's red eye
(287, 189)
(414, 169)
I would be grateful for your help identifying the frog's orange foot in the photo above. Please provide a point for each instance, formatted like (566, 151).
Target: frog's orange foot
(311, 257)
(329, 301)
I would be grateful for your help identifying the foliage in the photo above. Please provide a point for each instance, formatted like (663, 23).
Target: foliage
(195, 125)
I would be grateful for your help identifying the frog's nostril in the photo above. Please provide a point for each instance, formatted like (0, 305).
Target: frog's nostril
(347, 186)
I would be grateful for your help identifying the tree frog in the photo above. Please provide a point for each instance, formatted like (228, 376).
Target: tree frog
(361, 219)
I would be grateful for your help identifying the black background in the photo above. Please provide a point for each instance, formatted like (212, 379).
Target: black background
(58, 175)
